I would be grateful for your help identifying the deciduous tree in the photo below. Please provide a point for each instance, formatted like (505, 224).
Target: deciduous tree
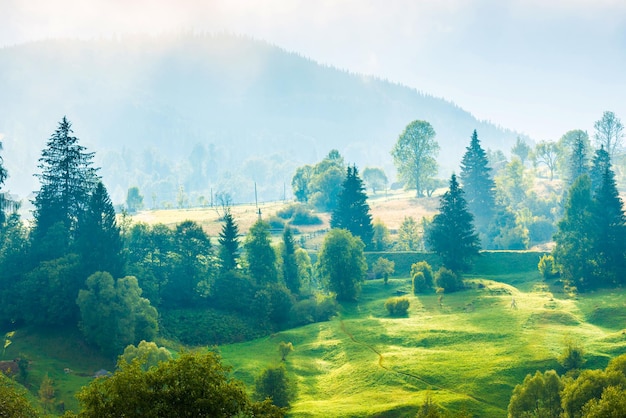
(291, 274)
(375, 178)
(260, 255)
(609, 133)
(341, 264)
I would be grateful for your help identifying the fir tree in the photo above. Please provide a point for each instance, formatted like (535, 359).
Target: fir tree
(478, 184)
(99, 240)
(599, 165)
(290, 266)
(578, 159)
(352, 211)
(451, 234)
(67, 179)
(229, 243)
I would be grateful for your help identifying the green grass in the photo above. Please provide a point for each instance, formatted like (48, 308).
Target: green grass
(467, 354)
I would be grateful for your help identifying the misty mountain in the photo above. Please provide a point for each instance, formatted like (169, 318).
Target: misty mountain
(209, 113)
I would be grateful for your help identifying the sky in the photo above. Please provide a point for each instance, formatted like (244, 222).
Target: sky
(540, 67)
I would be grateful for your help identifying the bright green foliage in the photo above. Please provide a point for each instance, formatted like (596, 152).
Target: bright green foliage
(192, 385)
(573, 356)
(291, 272)
(477, 183)
(352, 211)
(67, 179)
(589, 385)
(341, 264)
(375, 178)
(274, 384)
(46, 394)
(414, 155)
(384, 268)
(448, 280)
(260, 255)
(284, 349)
(305, 269)
(422, 277)
(98, 238)
(380, 237)
(113, 313)
(609, 132)
(537, 396)
(547, 267)
(13, 402)
(409, 237)
(451, 234)
(611, 404)
(134, 200)
(147, 353)
(229, 243)
(397, 306)
(320, 185)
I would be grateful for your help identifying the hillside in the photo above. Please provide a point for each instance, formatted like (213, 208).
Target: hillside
(208, 114)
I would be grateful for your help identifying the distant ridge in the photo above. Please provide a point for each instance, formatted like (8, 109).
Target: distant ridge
(204, 113)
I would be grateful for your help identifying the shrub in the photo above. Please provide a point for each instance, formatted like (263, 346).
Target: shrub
(419, 283)
(303, 216)
(547, 267)
(274, 384)
(448, 280)
(276, 222)
(314, 309)
(284, 349)
(572, 357)
(287, 212)
(397, 306)
(422, 277)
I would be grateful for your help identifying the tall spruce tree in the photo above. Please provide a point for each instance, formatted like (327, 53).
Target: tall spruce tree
(229, 243)
(352, 211)
(478, 185)
(67, 180)
(3, 198)
(578, 157)
(452, 234)
(98, 236)
(599, 165)
(290, 266)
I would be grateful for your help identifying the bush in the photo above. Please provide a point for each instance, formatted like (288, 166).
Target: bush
(448, 280)
(287, 212)
(422, 277)
(274, 384)
(397, 306)
(572, 357)
(547, 267)
(303, 216)
(276, 222)
(314, 309)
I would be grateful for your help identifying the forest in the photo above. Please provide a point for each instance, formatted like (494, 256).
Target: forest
(160, 304)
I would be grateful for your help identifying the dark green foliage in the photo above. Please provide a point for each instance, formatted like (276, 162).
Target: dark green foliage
(422, 277)
(13, 401)
(274, 384)
(572, 357)
(134, 200)
(341, 264)
(600, 164)
(317, 308)
(611, 404)
(537, 396)
(229, 243)
(448, 280)
(192, 385)
(397, 306)
(451, 234)
(273, 303)
(414, 155)
(297, 214)
(260, 255)
(291, 275)
(352, 211)
(67, 179)
(14, 263)
(113, 313)
(478, 184)
(505, 233)
(380, 237)
(98, 236)
(232, 291)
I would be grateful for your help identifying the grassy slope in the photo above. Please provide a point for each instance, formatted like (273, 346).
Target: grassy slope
(467, 354)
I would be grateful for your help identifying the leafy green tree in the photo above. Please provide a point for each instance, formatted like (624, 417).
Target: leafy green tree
(229, 243)
(134, 200)
(537, 396)
(113, 313)
(341, 264)
(589, 385)
(422, 277)
(409, 236)
(291, 274)
(375, 178)
(573, 355)
(414, 155)
(15, 262)
(274, 384)
(384, 268)
(67, 179)
(319, 185)
(512, 185)
(300, 183)
(380, 237)
(448, 280)
(547, 153)
(260, 255)
(305, 269)
(13, 401)
(477, 183)
(612, 403)
(609, 133)
(451, 234)
(147, 353)
(192, 385)
(521, 150)
(99, 241)
(352, 211)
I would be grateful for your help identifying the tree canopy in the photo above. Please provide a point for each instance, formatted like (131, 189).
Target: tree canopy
(341, 264)
(352, 211)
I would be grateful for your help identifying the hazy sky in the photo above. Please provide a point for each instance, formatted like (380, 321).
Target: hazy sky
(538, 66)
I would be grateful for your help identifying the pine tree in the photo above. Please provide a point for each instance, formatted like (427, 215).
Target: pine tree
(352, 211)
(451, 234)
(290, 266)
(67, 179)
(229, 243)
(578, 160)
(599, 165)
(478, 184)
(98, 236)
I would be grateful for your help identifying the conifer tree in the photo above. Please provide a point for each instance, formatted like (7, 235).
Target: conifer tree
(599, 165)
(352, 211)
(290, 266)
(478, 185)
(260, 254)
(451, 234)
(99, 240)
(3, 199)
(229, 243)
(578, 159)
(67, 180)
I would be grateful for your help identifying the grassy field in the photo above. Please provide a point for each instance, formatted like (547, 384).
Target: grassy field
(466, 353)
